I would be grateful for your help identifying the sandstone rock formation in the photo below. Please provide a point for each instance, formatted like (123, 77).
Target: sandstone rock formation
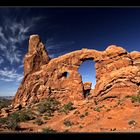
(117, 74)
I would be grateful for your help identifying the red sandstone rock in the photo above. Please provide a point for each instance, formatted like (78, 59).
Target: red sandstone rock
(117, 74)
(87, 85)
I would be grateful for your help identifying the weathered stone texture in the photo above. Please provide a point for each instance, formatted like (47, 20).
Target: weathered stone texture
(117, 74)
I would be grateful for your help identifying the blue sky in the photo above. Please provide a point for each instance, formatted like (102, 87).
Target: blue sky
(62, 30)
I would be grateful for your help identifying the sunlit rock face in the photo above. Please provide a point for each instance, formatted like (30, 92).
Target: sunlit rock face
(117, 74)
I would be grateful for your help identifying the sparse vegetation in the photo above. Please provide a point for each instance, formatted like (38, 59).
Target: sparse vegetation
(49, 130)
(68, 123)
(135, 98)
(66, 131)
(12, 124)
(80, 126)
(76, 112)
(67, 107)
(83, 115)
(15, 116)
(22, 116)
(26, 115)
(39, 122)
(12, 121)
(120, 102)
(48, 106)
(2, 121)
(97, 109)
(132, 122)
(4, 103)
(46, 118)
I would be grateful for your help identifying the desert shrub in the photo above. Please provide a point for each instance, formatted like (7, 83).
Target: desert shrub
(15, 116)
(135, 99)
(49, 130)
(12, 124)
(86, 113)
(21, 116)
(38, 121)
(66, 131)
(132, 122)
(83, 115)
(12, 121)
(4, 103)
(48, 106)
(3, 120)
(68, 123)
(97, 109)
(42, 108)
(76, 112)
(46, 118)
(80, 126)
(26, 115)
(67, 107)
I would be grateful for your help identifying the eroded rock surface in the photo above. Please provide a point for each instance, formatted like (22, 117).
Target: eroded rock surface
(117, 74)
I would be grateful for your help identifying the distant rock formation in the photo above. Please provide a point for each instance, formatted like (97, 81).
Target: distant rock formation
(117, 74)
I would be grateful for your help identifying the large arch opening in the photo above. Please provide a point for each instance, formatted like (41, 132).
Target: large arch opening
(88, 74)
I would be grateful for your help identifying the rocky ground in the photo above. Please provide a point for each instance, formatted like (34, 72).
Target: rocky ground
(53, 98)
(112, 115)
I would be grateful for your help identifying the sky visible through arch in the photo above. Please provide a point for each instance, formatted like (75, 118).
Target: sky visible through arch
(87, 71)
(62, 30)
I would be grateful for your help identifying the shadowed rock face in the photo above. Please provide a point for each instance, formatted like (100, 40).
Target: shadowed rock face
(117, 74)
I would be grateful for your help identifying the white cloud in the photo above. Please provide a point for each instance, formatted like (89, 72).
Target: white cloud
(2, 35)
(53, 47)
(10, 75)
(1, 60)
(21, 66)
(2, 47)
(12, 34)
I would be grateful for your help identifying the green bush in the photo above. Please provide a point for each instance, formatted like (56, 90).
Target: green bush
(26, 115)
(49, 130)
(22, 116)
(39, 122)
(4, 103)
(48, 106)
(84, 115)
(3, 120)
(67, 107)
(68, 123)
(15, 116)
(12, 124)
(97, 109)
(42, 108)
(135, 99)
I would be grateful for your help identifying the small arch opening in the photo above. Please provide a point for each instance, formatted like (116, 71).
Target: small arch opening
(88, 74)
(65, 74)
